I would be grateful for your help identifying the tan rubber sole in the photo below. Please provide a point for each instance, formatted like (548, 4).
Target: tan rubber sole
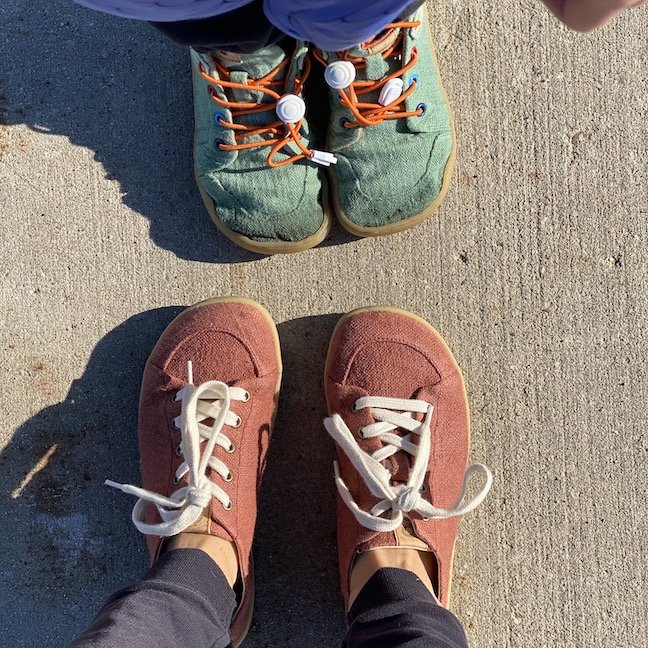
(413, 221)
(236, 642)
(417, 318)
(271, 247)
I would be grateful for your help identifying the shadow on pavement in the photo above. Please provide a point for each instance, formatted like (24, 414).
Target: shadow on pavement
(71, 542)
(120, 89)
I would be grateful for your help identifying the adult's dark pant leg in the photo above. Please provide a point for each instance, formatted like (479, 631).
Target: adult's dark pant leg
(395, 610)
(184, 600)
(244, 30)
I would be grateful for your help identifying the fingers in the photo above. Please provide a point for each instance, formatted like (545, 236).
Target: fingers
(585, 15)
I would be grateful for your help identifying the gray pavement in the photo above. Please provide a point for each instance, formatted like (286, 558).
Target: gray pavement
(534, 269)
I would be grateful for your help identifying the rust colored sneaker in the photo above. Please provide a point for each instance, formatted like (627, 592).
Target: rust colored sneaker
(207, 405)
(399, 418)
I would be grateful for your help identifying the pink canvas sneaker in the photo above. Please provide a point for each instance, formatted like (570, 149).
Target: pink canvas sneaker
(207, 405)
(399, 418)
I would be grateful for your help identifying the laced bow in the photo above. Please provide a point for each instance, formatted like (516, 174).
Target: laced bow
(398, 499)
(277, 133)
(210, 400)
(367, 113)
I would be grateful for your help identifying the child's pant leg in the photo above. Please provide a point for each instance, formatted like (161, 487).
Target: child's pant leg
(247, 29)
(243, 30)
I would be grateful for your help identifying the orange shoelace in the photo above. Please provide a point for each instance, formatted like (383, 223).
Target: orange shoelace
(368, 113)
(279, 133)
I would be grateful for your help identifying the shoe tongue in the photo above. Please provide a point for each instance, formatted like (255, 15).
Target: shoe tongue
(406, 537)
(381, 42)
(205, 525)
(252, 66)
(400, 465)
(371, 51)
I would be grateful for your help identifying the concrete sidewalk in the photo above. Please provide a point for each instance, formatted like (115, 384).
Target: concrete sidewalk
(535, 271)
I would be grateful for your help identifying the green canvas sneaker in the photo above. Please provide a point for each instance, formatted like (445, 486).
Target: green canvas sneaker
(262, 184)
(391, 130)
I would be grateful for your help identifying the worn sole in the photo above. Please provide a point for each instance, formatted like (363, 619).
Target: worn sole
(270, 247)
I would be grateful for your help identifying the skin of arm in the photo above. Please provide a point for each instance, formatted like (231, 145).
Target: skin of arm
(585, 15)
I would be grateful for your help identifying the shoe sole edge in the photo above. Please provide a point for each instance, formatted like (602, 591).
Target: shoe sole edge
(271, 247)
(412, 221)
(418, 318)
(236, 641)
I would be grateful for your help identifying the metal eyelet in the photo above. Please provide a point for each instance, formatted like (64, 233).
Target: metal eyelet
(361, 433)
(238, 422)
(219, 118)
(228, 507)
(246, 397)
(175, 425)
(218, 143)
(175, 479)
(178, 450)
(228, 477)
(343, 122)
(422, 107)
(423, 489)
(231, 449)
(414, 79)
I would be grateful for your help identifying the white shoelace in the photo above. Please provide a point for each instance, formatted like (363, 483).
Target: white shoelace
(211, 399)
(401, 499)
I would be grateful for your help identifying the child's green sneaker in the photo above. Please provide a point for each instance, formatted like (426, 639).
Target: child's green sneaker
(262, 184)
(391, 129)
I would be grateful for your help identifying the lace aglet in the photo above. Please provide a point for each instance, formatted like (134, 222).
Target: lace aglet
(112, 484)
(323, 158)
(190, 372)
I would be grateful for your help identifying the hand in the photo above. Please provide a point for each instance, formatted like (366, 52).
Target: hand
(584, 15)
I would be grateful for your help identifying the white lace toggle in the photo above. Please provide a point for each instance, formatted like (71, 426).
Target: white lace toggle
(210, 400)
(340, 74)
(397, 499)
(323, 158)
(290, 109)
(390, 92)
